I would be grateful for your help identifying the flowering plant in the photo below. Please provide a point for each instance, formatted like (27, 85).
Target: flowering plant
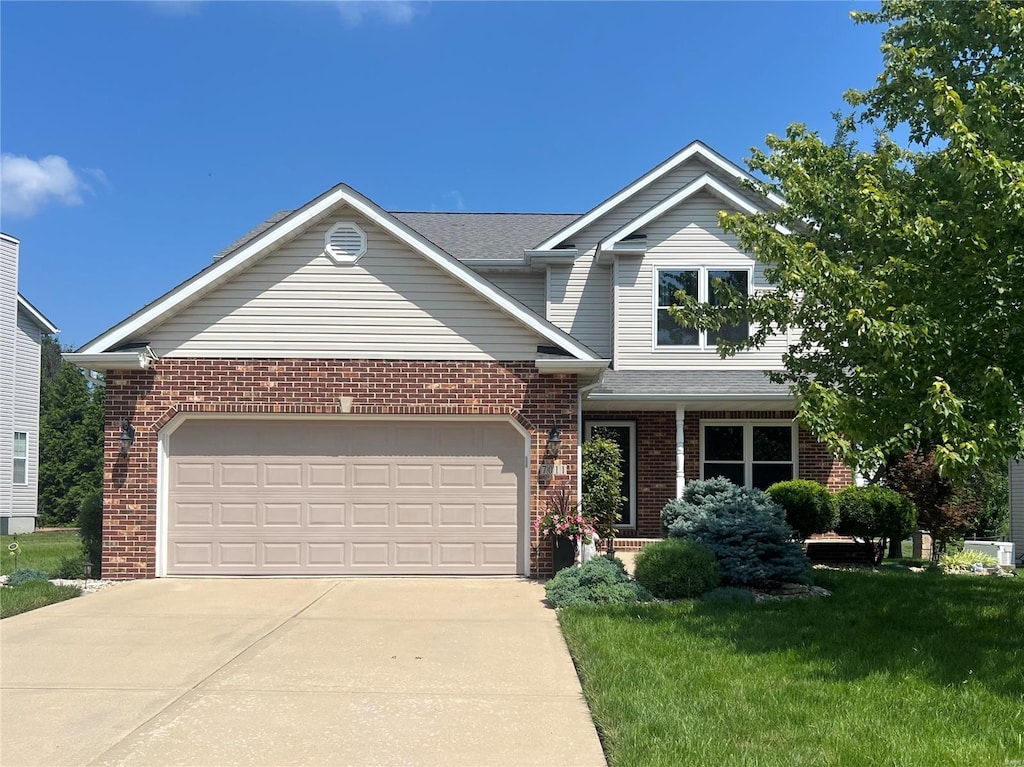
(565, 517)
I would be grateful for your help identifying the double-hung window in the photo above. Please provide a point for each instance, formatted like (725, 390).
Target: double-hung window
(20, 458)
(757, 454)
(700, 283)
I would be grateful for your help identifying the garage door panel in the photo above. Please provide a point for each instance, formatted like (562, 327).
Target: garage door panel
(445, 499)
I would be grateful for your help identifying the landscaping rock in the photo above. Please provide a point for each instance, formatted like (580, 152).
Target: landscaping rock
(788, 591)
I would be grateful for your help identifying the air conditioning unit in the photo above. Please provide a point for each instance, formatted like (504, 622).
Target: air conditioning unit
(1003, 551)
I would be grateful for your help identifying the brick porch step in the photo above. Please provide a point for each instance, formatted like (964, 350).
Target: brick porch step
(633, 544)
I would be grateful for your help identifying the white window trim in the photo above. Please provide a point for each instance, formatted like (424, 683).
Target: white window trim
(344, 258)
(702, 296)
(15, 458)
(631, 480)
(748, 444)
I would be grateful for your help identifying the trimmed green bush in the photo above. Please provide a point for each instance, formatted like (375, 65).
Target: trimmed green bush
(743, 528)
(676, 569)
(810, 507)
(601, 580)
(69, 568)
(90, 522)
(874, 512)
(26, 574)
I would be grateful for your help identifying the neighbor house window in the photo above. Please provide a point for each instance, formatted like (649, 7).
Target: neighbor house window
(700, 283)
(20, 458)
(748, 454)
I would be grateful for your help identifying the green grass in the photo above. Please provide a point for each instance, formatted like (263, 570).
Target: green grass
(895, 668)
(41, 551)
(33, 595)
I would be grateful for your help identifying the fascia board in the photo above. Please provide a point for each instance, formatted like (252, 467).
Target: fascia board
(690, 398)
(694, 149)
(139, 360)
(36, 315)
(571, 366)
(229, 265)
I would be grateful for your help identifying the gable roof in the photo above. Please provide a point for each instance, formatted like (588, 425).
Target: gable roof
(37, 316)
(703, 183)
(694, 149)
(272, 234)
(467, 236)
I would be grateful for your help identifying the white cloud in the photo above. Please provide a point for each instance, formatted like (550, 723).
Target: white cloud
(26, 185)
(454, 198)
(391, 11)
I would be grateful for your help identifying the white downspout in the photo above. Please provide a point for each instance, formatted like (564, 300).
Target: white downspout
(680, 451)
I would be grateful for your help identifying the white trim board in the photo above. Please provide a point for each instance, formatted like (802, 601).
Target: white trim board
(223, 269)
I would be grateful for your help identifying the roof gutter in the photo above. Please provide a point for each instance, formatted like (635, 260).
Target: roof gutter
(103, 361)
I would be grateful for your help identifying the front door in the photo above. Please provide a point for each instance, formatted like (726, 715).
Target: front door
(623, 434)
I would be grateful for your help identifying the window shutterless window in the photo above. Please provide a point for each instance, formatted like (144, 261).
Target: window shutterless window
(749, 454)
(20, 458)
(703, 284)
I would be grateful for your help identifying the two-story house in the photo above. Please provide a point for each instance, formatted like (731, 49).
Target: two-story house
(351, 390)
(22, 328)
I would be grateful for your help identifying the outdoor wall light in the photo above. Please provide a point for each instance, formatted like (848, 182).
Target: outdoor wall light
(554, 441)
(87, 569)
(127, 438)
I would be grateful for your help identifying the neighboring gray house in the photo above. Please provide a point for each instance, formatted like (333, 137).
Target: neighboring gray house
(22, 327)
(1017, 508)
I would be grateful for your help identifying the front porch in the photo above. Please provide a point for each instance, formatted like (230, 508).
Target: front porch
(665, 449)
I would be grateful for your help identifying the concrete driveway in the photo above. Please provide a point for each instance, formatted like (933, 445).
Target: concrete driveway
(367, 671)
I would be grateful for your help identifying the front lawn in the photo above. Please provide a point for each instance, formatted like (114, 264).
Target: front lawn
(895, 669)
(41, 551)
(32, 595)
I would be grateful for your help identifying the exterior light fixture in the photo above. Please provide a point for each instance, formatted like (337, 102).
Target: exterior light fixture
(554, 441)
(127, 438)
(87, 569)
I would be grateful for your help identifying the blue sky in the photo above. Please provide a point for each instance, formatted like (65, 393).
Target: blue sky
(141, 138)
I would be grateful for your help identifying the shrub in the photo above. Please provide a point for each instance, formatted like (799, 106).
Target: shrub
(90, 522)
(26, 574)
(601, 580)
(810, 507)
(676, 569)
(964, 561)
(69, 569)
(743, 528)
(874, 512)
(602, 485)
(729, 594)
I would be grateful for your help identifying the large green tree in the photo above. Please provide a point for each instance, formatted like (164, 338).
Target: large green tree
(70, 438)
(903, 265)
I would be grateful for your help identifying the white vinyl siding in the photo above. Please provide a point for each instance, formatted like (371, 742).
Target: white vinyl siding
(1017, 507)
(8, 326)
(296, 302)
(686, 238)
(24, 496)
(525, 287)
(580, 302)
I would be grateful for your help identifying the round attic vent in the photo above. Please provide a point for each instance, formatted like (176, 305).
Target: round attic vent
(345, 242)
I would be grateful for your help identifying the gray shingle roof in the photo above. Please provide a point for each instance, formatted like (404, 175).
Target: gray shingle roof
(463, 235)
(690, 383)
(486, 235)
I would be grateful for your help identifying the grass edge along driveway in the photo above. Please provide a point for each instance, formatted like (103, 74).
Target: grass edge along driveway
(893, 669)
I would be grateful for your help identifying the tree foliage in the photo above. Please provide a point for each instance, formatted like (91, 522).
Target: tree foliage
(70, 438)
(875, 513)
(903, 266)
(810, 507)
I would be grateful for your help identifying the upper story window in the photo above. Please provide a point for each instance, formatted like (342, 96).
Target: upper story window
(20, 458)
(700, 283)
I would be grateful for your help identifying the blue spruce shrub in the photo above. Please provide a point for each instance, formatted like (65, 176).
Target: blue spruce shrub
(26, 574)
(601, 580)
(743, 528)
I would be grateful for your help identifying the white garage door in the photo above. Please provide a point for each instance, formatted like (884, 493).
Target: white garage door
(282, 497)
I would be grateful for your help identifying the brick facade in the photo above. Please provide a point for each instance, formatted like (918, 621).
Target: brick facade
(151, 398)
(656, 457)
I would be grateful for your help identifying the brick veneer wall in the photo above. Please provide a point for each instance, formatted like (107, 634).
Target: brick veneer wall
(151, 398)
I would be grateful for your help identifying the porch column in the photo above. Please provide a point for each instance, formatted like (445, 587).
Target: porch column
(680, 451)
